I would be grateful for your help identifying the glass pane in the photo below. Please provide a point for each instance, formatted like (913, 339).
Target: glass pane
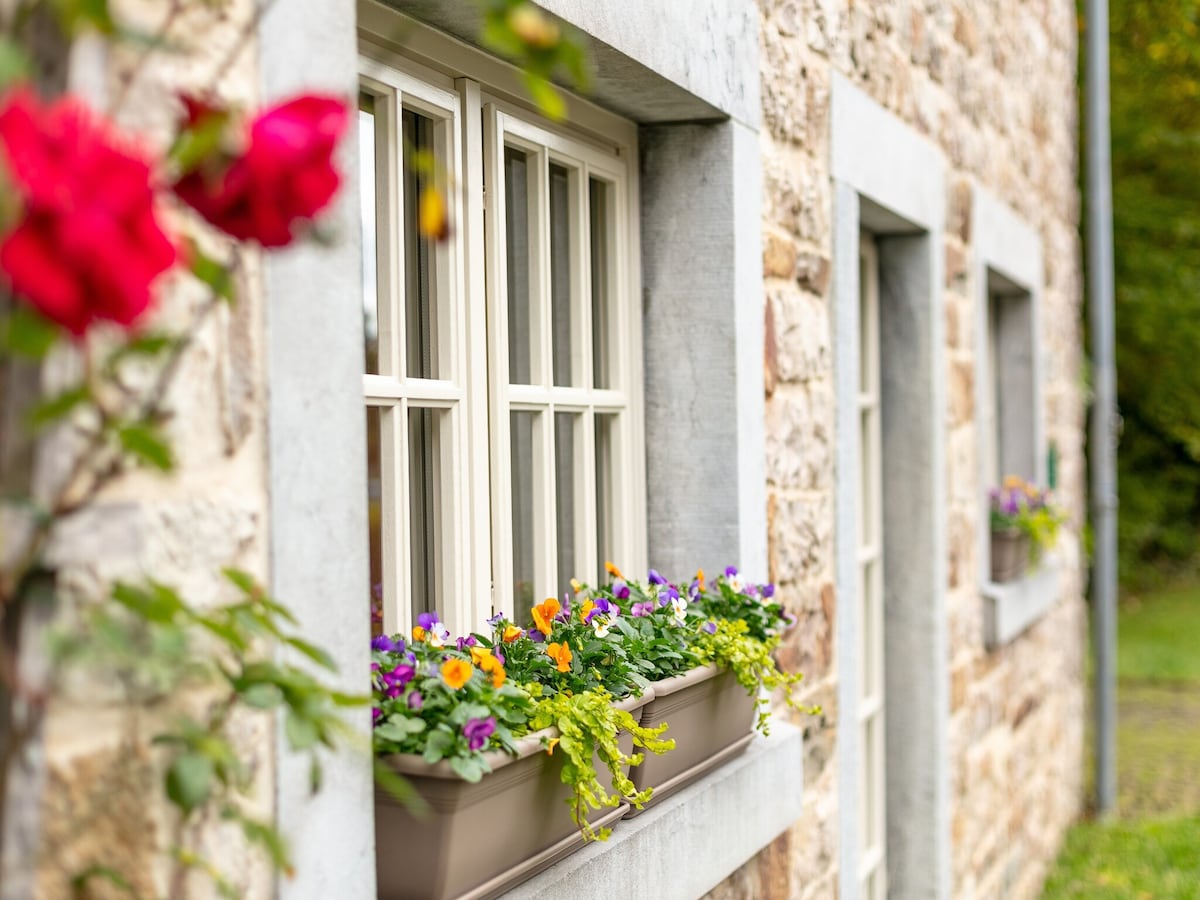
(560, 272)
(867, 493)
(424, 510)
(870, 785)
(375, 515)
(420, 253)
(516, 231)
(869, 613)
(367, 189)
(866, 325)
(602, 324)
(606, 442)
(565, 486)
(521, 425)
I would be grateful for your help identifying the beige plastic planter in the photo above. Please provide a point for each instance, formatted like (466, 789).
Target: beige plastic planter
(1010, 555)
(477, 840)
(711, 718)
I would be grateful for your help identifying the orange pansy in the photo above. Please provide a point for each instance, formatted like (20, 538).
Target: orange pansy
(561, 654)
(612, 570)
(456, 672)
(418, 634)
(544, 613)
(511, 633)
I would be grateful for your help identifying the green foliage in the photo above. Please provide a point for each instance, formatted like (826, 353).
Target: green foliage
(1158, 636)
(543, 47)
(733, 647)
(167, 653)
(1155, 59)
(589, 727)
(24, 333)
(1129, 861)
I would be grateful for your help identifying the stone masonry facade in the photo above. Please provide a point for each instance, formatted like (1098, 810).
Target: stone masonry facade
(992, 85)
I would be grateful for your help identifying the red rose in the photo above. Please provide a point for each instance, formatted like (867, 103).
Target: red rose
(87, 245)
(284, 177)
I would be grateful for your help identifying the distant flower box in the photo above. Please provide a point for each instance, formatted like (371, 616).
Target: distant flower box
(1024, 524)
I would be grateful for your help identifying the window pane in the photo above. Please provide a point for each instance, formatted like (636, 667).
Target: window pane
(602, 319)
(420, 253)
(560, 272)
(424, 510)
(367, 187)
(566, 481)
(606, 442)
(375, 515)
(516, 230)
(521, 424)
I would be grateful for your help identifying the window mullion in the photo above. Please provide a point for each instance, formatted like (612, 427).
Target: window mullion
(396, 541)
(545, 497)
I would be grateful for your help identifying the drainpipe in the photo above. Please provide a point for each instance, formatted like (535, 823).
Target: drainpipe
(1104, 411)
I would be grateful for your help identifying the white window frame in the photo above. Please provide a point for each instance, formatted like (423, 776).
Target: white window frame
(872, 777)
(477, 554)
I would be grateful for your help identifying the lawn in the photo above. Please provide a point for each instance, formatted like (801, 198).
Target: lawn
(1151, 851)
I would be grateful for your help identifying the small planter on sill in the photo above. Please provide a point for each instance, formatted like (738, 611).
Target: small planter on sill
(477, 840)
(1010, 555)
(711, 720)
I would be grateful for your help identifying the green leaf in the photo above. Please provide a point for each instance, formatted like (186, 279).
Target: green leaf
(262, 696)
(546, 96)
(28, 334)
(399, 788)
(266, 836)
(145, 443)
(211, 272)
(313, 652)
(189, 781)
(58, 406)
(468, 769)
(158, 604)
(316, 775)
(301, 732)
(398, 728)
(15, 64)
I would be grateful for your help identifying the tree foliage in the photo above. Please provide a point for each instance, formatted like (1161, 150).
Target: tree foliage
(1155, 59)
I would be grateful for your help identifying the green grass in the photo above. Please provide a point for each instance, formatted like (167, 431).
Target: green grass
(1152, 851)
(1158, 637)
(1147, 860)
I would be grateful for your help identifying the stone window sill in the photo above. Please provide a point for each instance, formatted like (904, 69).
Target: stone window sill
(710, 828)
(1010, 608)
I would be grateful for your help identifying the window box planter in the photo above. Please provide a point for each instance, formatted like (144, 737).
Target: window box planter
(1010, 555)
(477, 840)
(711, 719)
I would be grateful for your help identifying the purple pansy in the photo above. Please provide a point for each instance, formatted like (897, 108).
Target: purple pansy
(496, 619)
(655, 578)
(465, 642)
(385, 644)
(620, 589)
(731, 571)
(415, 700)
(639, 610)
(768, 591)
(536, 636)
(709, 627)
(604, 607)
(376, 715)
(477, 732)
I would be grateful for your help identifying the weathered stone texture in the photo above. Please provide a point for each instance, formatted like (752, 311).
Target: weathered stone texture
(993, 86)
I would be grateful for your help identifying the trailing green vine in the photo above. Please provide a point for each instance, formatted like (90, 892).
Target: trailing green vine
(589, 728)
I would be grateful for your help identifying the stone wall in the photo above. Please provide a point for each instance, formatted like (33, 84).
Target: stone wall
(103, 802)
(992, 85)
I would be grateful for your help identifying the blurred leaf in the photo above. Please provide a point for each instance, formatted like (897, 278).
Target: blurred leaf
(80, 882)
(158, 604)
(200, 141)
(77, 15)
(25, 333)
(301, 732)
(267, 837)
(144, 442)
(262, 696)
(313, 652)
(189, 780)
(15, 64)
(546, 96)
(57, 407)
(399, 788)
(211, 272)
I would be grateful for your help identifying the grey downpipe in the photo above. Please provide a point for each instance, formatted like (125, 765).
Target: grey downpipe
(1104, 411)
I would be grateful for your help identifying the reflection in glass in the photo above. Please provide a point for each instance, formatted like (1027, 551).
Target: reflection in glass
(419, 252)
(606, 442)
(516, 229)
(564, 487)
(598, 196)
(375, 516)
(367, 188)
(560, 272)
(522, 507)
(423, 508)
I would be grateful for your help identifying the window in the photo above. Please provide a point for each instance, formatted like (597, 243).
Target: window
(872, 820)
(502, 383)
(1010, 445)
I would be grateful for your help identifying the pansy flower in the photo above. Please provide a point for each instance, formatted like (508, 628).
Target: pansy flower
(456, 672)
(768, 591)
(679, 609)
(376, 715)
(612, 570)
(709, 627)
(620, 589)
(511, 633)
(435, 632)
(415, 700)
(655, 578)
(544, 613)
(477, 732)
(639, 610)
(732, 579)
(496, 619)
(385, 644)
(561, 654)
(576, 585)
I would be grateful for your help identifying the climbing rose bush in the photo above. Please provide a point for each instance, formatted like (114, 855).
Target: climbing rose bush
(284, 176)
(87, 243)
